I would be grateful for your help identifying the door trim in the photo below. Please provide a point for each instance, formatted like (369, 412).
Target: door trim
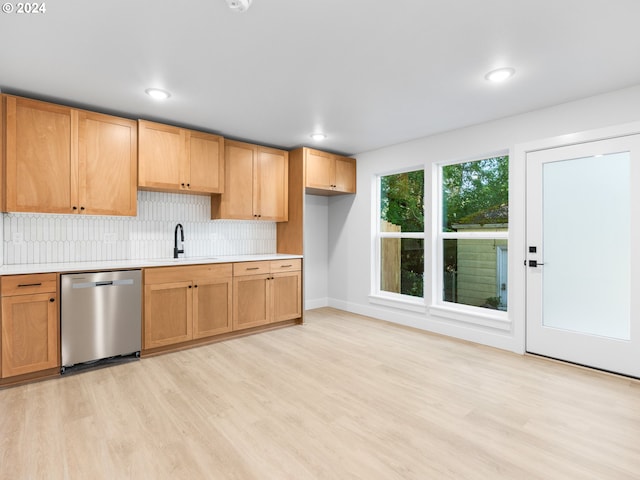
(517, 214)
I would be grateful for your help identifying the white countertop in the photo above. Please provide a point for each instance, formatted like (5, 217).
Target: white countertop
(130, 264)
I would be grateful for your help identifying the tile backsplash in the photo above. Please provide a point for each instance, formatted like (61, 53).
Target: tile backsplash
(44, 238)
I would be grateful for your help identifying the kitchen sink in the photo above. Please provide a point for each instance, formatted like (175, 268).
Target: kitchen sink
(182, 260)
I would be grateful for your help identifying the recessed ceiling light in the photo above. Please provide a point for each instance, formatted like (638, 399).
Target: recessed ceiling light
(157, 93)
(318, 136)
(239, 5)
(500, 74)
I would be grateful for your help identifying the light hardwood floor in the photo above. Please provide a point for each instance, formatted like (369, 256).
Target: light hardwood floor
(341, 397)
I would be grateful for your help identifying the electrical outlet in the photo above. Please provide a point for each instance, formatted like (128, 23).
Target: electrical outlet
(17, 238)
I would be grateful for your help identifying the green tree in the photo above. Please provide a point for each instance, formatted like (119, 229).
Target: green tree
(473, 187)
(402, 200)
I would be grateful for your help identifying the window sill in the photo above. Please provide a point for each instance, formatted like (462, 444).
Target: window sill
(400, 302)
(495, 319)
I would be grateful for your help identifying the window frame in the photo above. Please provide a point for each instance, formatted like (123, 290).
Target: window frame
(438, 306)
(377, 295)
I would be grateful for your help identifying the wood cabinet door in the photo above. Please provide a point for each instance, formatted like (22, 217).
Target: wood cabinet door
(41, 157)
(345, 180)
(3, 196)
(212, 307)
(251, 301)
(161, 156)
(206, 163)
(237, 200)
(168, 313)
(30, 333)
(319, 170)
(286, 296)
(271, 187)
(107, 164)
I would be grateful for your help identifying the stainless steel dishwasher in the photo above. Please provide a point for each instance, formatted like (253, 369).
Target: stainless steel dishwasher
(100, 316)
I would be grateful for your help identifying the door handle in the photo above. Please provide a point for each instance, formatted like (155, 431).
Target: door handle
(534, 263)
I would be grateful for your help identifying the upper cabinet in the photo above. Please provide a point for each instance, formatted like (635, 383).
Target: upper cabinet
(313, 172)
(256, 184)
(107, 164)
(328, 174)
(64, 160)
(174, 159)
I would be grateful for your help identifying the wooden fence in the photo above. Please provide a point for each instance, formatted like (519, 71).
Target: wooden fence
(390, 260)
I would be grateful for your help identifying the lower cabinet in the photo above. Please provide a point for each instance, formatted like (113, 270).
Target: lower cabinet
(266, 292)
(30, 325)
(286, 295)
(212, 306)
(181, 304)
(186, 303)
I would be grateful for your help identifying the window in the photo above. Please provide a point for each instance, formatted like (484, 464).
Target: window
(473, 232)
(400, 235)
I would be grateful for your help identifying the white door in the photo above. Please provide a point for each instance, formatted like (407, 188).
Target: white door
(583, 258)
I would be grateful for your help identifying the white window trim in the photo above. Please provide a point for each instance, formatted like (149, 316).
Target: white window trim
(377, 296)
(475, 235)
(395, 300)
(495, 319)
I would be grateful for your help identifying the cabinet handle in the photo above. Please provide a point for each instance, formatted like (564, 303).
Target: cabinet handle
(189, 286)
(29, 284)
(52, 300)
(188, 185)
(253, 268)
(74, 208)
(182, 185)
(82, 208)
(195, 286)
(286, 266)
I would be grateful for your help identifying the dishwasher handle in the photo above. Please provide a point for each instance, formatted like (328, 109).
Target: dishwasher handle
(104, 283)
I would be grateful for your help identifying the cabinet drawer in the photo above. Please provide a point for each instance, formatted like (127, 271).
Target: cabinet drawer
(156, 275)
(186, 273)
(211, 271)
(290, 264)
(250, 268)
(28, 284)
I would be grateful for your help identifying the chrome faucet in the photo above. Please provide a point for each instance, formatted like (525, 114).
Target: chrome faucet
(176, 251)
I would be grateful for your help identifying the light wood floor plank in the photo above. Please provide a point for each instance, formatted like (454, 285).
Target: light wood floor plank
(340, 397)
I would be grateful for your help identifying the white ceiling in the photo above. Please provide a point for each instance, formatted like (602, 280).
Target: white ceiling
(369, 73)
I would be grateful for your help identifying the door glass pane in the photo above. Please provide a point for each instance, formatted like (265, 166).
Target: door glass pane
(586, 238)
(402, 266)
(475, 272)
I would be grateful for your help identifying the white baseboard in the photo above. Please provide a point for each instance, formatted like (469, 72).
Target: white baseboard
(316, 303)
(503, 341)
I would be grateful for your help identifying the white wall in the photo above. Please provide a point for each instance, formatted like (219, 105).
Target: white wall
(350, 232)
(316, 251)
